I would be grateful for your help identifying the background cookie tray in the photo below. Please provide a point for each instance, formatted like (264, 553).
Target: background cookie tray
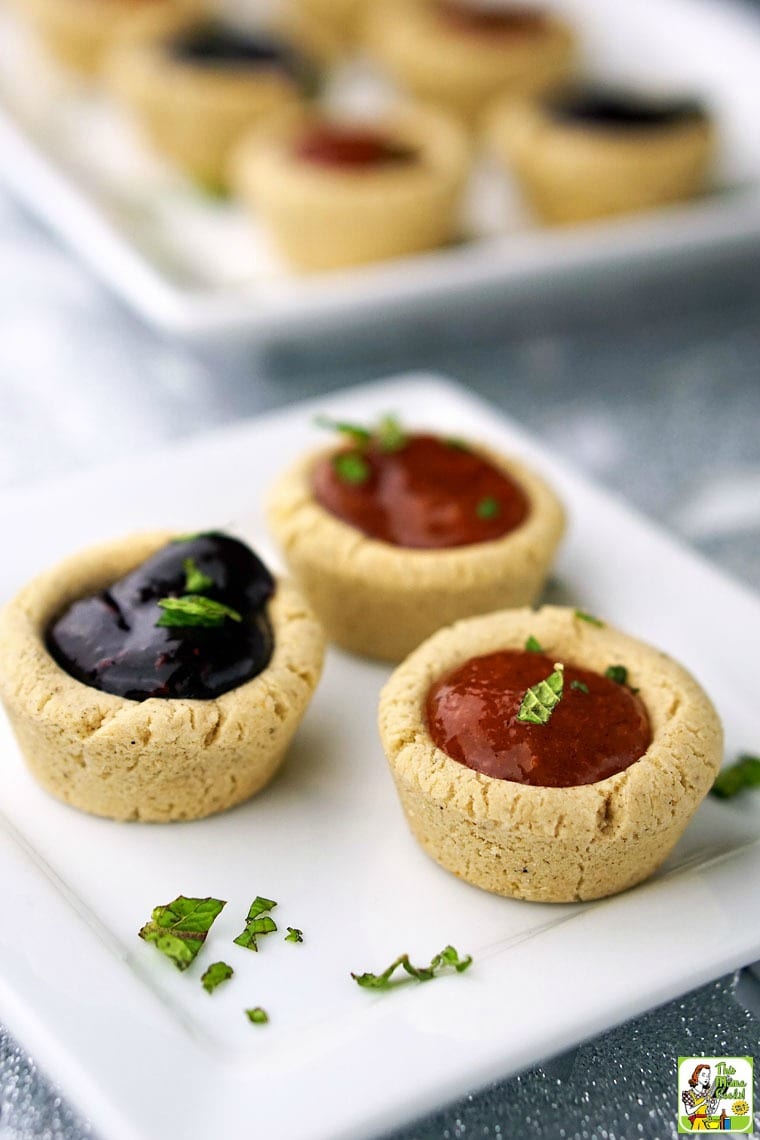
(199, 268)
(145, 1052)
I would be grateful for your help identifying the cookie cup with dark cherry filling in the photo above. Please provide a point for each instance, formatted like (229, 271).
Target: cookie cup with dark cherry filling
(559, 843)
(340, 192)
(195, 85)
(380, 599)
(155, 759)
(459, 55)
(589, 153)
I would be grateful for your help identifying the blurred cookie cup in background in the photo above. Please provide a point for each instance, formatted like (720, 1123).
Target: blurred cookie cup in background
(460, 55)
(78, 33)
(196, 83)
(589, 151)
(340, 191)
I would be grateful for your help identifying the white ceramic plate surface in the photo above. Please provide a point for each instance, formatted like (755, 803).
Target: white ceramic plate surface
(202, 268)
(144, 1051)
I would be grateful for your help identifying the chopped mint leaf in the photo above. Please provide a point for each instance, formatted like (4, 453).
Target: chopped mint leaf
(582, 616)
(533, 645)
(617, 673)
(260, 905)
(540, 700)
(217, 973)
(195, 610)
(294, 934)
(390, 434)
(447, 959)
(359, 434)
(579, 686)
(744, 773)
(456, 443)
(488, 508)
(257, 1015)
(179, 928)
(258, 922)
(196, 582)
(351, 468)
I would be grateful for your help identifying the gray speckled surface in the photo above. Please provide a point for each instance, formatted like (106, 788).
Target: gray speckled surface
(649, 383)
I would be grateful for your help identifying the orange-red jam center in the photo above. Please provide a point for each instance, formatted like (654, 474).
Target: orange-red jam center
(483, 19)
(429, 494)
(590, 735)
(329, 145)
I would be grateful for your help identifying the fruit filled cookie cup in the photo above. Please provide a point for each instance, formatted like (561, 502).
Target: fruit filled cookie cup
(196, 83)
(392, 534)
(545, 755)
(155, 678)
(591, 151)
(337, 192)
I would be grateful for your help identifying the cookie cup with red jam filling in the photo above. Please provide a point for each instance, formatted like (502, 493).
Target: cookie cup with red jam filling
(551, 843)
(195, 85)
(155, 759)
(338, 193)
(381, 599)
(587, 153)
(460, 56)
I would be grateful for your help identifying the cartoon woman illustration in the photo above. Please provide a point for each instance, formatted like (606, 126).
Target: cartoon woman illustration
(698, 1100)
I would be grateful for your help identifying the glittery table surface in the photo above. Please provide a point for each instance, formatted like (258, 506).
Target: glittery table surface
(647, 381)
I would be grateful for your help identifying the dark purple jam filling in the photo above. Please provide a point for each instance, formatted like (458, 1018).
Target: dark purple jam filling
(212, 44)
(617, 110)
(111, 641)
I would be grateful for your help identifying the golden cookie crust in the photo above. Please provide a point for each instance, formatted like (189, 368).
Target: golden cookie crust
(78, 33)
(463, 71)
(569, 173)
(192, 115)
(154, 760)
(381, 600)
(328, 217)
(341, 17)
(552, 844)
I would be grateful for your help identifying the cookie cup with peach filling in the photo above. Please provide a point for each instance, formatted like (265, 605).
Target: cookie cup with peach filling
(381, 600)
(331, 214)
(156, 759)
(551, 844)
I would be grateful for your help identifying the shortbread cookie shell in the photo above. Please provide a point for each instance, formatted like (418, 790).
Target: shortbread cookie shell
(551, 844)
(193, 115)
(341, 17)
(78, 33)
(331, 217)
(463, 71)
(570, 173)
(381, 600)
(154, 760)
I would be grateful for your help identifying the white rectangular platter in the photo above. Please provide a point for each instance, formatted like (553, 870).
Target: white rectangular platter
(201, 268)
(144, 1051)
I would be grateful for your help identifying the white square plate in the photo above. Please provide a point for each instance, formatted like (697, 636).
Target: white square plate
(201, 268)
(144, 1051)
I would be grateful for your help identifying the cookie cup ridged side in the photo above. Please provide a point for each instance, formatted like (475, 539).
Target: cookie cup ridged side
(327, 217)
(381, 600)
(551, 844)
(193, 115)
(461, 70)
(154, 760)
(572, 174)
